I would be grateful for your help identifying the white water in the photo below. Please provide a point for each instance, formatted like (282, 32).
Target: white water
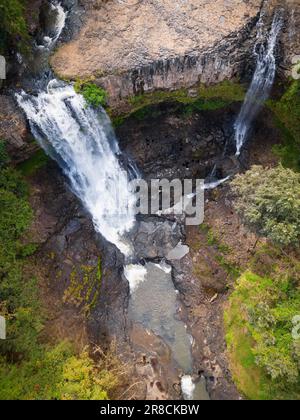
(135, 274)
(187, 387)
(60, 16)
(262, 81)
(83, 142)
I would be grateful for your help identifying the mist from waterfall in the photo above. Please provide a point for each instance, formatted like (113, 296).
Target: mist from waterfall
(263, 78)
(83, 143)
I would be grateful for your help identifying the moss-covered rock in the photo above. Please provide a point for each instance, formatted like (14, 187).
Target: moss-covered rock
(200, 98)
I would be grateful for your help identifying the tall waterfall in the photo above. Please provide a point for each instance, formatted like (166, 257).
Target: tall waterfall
(82, 141)
(263, 78)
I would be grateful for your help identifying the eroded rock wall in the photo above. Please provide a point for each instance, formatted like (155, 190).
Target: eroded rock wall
(139, 46)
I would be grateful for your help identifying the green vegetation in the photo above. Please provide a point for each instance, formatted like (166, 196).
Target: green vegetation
(84, 287)
(268, 200)
(203, 98)
(287, 114)
(222, 252)
(37, 161)
(4, 158)
(29, 367)
(58, 374)
(264, 358)
(13, 29)
(93, 94)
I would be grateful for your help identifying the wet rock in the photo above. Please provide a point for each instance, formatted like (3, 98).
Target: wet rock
(155, 238)
(166, 131)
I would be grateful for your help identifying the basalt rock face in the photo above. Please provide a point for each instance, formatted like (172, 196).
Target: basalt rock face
(189, 145)
(139, 46)
(288, 50)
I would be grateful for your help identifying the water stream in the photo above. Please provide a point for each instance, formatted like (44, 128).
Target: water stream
(263, 78)
(83, 143)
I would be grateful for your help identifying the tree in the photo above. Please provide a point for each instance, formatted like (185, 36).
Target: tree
(268, 201)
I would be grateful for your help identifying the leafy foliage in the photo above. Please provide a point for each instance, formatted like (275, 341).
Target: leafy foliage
(30, 369)
(268, 200)
(56, 374)
(93, 94)
(287, 112)
(263, 354)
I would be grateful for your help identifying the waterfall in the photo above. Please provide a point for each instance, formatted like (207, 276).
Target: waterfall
(83, 143)
(59, 16)
(263, 78)
(188, 387)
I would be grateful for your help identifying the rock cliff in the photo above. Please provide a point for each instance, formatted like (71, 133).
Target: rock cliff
(139, 46)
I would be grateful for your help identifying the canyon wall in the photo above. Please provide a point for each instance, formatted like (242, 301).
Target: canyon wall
(140, 46)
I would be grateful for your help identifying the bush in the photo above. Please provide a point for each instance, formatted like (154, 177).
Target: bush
(268, 200)
(263, 355)
(55, 374)
(93, 94)
(287, 113)
(13, 29)
(30, 369)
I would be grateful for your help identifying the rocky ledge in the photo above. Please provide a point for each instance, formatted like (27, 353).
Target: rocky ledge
(138, 46)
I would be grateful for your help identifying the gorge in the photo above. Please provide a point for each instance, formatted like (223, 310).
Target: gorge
(187, 86)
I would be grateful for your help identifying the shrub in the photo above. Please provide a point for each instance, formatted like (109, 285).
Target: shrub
(268, 200)
(93, 94)
(258, 321)
(13, 29)
(287, 113)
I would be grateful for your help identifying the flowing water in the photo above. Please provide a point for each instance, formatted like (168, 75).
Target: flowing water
(55, 24)
(263, 78)
(82, 141)
(154, 304)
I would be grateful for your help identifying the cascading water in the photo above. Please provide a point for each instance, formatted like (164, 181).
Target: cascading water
(262, 81)
(82, 141)
(54, 33)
